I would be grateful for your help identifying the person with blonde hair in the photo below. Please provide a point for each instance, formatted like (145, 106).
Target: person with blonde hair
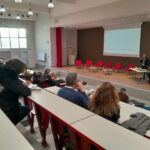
(104, 102)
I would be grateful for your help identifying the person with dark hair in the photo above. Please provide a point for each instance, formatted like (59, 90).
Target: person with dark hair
(11, 88)
(2, 61)
(123, 96)
(105, 102)
(74, 91)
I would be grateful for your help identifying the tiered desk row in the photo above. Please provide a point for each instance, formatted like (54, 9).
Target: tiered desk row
(10, 137)
(87, 128)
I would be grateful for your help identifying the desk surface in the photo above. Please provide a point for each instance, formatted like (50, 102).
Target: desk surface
(10, 137)
(53, 89)
(63, 109)
(126, 110)
(139, 70)
(110, 135)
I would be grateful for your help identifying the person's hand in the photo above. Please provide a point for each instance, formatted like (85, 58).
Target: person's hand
(80, 87)
(26, 83)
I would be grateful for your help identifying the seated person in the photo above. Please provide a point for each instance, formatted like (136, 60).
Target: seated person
(11, 88)
(87, 90)
(53, 75)
(123, 96)
(74, 91)
(46, 76)
(104, 102)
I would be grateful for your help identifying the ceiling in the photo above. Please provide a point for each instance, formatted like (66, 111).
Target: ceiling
(87, 13)
(40, 6)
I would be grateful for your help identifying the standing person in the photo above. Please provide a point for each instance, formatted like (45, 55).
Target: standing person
(104, 102)
(11, 88)
(144, 62)
(74, 91)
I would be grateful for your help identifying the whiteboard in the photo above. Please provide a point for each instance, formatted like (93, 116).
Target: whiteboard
(41, 56)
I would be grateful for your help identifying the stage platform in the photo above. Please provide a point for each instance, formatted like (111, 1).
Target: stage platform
(134, 88)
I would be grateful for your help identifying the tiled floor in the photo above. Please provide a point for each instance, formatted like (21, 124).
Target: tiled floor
(35, 139)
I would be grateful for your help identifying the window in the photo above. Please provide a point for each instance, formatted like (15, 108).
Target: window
(13, 38)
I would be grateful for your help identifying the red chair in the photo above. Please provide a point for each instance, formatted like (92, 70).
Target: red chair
(43, 83)
(78, 63)
(99, 64)
(88, 63)
(118, 66)
(128, 69)
(108, 65)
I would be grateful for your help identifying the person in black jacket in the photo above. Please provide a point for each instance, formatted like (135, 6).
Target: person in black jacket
(11, 88)
(46, 76)
(144, 62)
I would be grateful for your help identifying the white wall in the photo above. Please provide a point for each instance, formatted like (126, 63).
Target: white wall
(53, 47)
(69, 44)
(29, 54)
(42, 36)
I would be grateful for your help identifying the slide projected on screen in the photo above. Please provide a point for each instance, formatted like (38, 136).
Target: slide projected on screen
(122, 42)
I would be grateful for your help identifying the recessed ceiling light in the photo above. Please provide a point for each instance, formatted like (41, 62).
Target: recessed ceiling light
(50, 4)
(18, 1)
(2, 9)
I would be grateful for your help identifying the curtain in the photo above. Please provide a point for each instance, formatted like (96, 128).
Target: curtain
(59, 46)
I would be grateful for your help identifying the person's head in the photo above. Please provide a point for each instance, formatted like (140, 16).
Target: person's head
(123, 90)
(47, 70)
(84, 83)
(105, 100)
(16, 65)
(144, 56)
(71, 79)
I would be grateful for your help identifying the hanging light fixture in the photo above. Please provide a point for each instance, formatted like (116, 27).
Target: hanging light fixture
(18, 1)
(50, 4)
(30, 12)
(2, 9)
(18, 17)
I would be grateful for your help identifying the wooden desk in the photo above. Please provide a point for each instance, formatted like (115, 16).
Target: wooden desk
(109, 135)
(53, 89)
(63, 109)
(60, 111)
(126, 110)
(139, 70)
(10, 137)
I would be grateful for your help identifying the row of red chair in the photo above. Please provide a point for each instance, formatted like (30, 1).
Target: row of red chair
(100, 64)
